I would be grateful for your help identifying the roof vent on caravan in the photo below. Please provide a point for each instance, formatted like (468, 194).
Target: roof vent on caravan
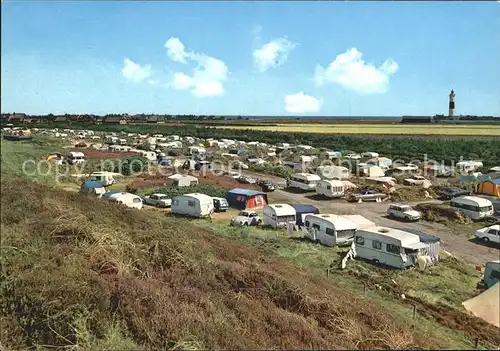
(278, 206)
(325, 215)
(383, 230)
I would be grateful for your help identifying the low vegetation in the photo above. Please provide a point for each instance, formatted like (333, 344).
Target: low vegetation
(401, 129)
(78, 271)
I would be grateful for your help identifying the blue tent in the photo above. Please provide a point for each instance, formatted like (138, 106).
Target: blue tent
(301, 210)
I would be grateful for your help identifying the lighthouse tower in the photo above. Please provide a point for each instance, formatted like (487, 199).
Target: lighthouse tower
(451, 110)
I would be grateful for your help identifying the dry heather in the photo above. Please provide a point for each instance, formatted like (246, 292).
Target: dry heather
(80, 271)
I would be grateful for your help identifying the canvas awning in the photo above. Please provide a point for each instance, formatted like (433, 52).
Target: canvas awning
(415, 246)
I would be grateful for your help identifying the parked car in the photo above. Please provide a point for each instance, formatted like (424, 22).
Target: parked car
(246, 180)
(220, 204)
(405, 212)
(266, 185)
(416, 180)
(450, 193)
(489, 234)
(246, 218)
(234, 175)
(239, 165)
(367, 195)
(158, 200)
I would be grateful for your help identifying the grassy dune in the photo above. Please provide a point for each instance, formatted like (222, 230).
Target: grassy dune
(82, 272)
(401, 129)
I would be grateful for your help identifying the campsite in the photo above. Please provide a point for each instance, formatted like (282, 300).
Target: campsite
(303, 233)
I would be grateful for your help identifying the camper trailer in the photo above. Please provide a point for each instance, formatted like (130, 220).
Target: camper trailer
(491, 274)
(104, 178)
(333, 172)
(124, 198)
(74, 158)
(392, 247)
(330, 188)
(194, 205)
(150, 155)
(304, 181)
(279, 215)
(473, 206)
(329, 229)
(180, 180)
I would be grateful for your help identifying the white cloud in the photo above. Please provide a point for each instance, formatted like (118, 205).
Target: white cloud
(208, 76)
(273, 54)
(176, 50)
(353, 73)
(302, 103)
(135, 72)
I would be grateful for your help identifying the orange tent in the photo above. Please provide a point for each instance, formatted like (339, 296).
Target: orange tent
(490, 187)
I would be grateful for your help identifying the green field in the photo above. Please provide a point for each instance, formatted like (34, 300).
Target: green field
(401, 129)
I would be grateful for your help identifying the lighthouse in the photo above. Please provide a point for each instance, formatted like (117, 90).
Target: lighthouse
(451, 110)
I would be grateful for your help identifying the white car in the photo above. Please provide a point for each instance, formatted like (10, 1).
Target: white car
(234, 175)
(405, 212)
(246, 218)
(489, 234)
(158, 200)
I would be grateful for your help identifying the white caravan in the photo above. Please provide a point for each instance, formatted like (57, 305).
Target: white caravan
(123, 198)
(329, 229)
(279, 215)
(392, 247)
(194, 205)
(474, 207)
(491, 273)
(105, 178)
(330, 188)
(150, 155)
(333, 172)
(304, 181)
(130, 200)
(75, 158)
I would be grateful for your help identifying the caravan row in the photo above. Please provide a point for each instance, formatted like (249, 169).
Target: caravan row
(311, 182)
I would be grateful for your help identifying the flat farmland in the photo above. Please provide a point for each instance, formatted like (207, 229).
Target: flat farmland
(395, 129)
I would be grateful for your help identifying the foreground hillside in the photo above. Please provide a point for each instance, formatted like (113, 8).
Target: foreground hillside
(79, 271)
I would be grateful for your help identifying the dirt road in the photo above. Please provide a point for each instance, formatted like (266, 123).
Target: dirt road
(458, 244)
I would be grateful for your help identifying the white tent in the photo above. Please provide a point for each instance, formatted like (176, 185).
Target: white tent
(486, 305)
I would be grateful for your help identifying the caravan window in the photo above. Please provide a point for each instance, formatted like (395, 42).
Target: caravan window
(393, 248)
(316, 226)
(328, 187)
(308, 224)
(360, 240)
(136, 200)
(191, 203)
(377, 245)
(495, 274)
(348, 233)
(176, 202)
(330, 231)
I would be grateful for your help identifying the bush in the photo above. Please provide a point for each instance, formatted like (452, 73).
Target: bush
(277, 170)
(131, 165)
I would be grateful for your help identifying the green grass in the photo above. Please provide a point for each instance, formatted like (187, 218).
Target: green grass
(449, 283)
(82, 272)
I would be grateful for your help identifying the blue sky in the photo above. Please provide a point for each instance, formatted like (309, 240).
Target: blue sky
(251, 58)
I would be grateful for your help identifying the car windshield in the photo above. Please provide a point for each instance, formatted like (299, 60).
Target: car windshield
(406, 208)
(164, 197)
(243, 214)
